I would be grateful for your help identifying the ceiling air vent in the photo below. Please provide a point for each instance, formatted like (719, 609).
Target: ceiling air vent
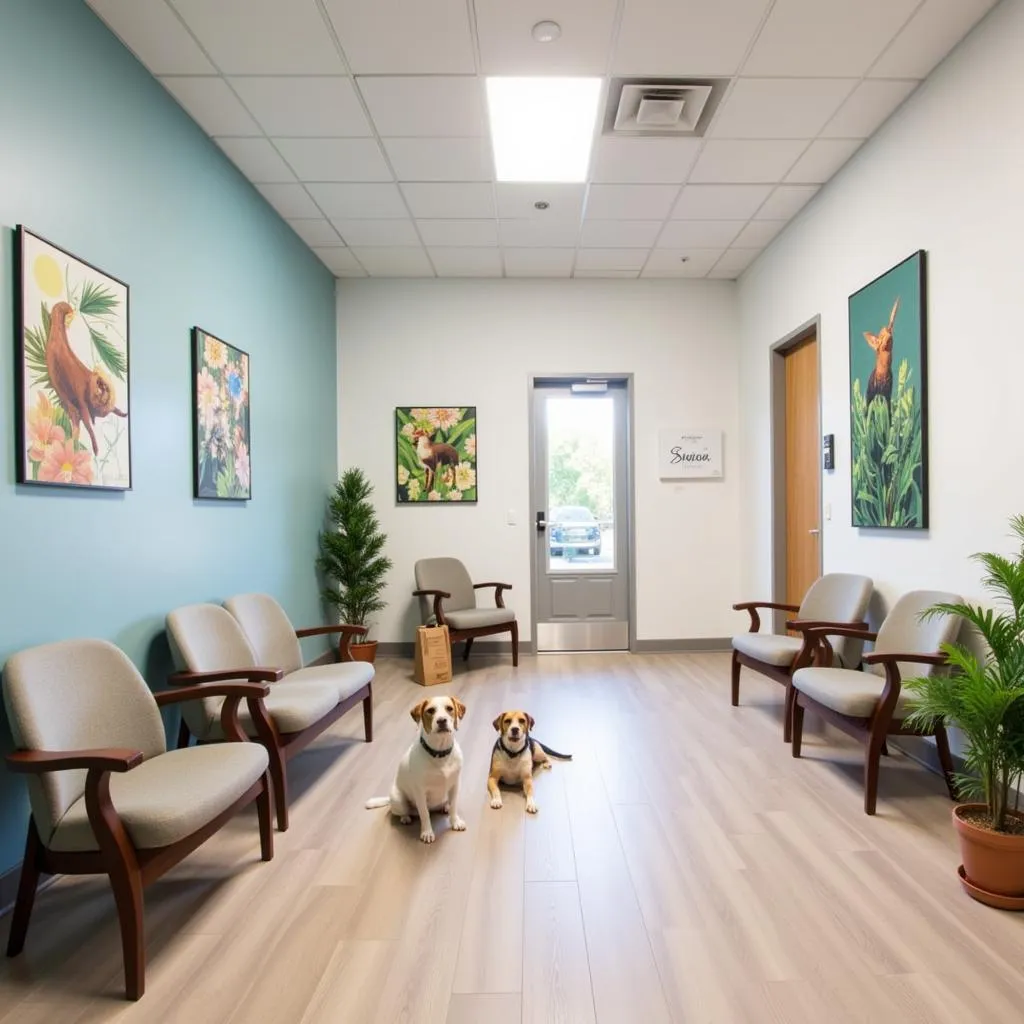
(663, 108)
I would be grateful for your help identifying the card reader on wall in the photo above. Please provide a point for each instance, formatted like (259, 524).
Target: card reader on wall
(829, 451)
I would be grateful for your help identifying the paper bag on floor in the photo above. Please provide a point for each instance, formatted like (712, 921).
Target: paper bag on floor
(433, 656)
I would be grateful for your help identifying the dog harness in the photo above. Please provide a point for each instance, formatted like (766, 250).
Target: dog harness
(528, 745)
(435, 753)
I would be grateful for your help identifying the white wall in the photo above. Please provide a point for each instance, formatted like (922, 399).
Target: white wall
(476, 343)
(945, 174)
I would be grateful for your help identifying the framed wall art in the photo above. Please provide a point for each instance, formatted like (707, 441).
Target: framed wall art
(220, 419)
(435, 453)
(72, 401)
(889, 399)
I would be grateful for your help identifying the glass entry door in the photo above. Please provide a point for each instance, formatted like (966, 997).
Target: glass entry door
(580, 489)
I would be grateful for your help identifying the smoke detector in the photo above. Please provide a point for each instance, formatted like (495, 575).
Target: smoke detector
(661, 107)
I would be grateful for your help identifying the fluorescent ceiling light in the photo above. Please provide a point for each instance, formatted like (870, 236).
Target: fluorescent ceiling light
(542, 129)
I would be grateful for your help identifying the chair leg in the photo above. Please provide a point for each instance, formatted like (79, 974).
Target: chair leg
(515, 644)
(368, 716)
(265, 811)
(798, 726)
(279, 777)
(871, 760)
(26, 892)
(469, 647)
(946, 760)
(184, 736)
(787, 711)
(885, 749)
(126, 881)
(735, 680)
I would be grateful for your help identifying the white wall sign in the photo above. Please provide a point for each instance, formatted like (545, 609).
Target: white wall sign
(685, 454)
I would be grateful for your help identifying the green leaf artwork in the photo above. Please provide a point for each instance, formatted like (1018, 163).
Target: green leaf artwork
(435, 455)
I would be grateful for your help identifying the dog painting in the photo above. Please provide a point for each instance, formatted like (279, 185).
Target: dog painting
(435, 454)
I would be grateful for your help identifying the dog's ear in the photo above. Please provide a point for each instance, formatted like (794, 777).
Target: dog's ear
(417, 712)
(460, 709)
(529, 720)
(497, 722)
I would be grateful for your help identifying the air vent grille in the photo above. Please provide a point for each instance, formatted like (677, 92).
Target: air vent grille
(661, 108)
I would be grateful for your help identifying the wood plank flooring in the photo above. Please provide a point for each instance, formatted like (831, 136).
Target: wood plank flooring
(682, 868)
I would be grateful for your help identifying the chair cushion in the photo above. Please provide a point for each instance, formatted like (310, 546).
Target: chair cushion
(170, 796)
(769, 647)
(449, 575)
(293, 708)
(839, 597)
(346, 677)
(848, 691)
(268, 629)
(474, 618)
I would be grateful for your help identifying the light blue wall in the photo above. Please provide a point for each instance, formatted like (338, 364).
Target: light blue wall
(95, 156)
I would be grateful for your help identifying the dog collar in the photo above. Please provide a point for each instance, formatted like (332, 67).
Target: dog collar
(435, 753)
(516, 753)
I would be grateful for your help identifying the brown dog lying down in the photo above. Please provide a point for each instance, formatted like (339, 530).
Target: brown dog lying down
(516, 755)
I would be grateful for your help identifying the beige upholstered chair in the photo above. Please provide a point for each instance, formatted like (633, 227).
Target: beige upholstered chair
(835, 597)
(209, 643)
(871, 704)
(448, 597)
(107, 796)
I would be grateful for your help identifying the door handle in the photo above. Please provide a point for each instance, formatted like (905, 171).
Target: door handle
(542, 523)
(814, 530)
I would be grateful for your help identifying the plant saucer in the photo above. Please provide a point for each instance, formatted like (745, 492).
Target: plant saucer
(990, 899)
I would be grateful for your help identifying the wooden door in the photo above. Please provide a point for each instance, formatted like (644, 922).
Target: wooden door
(803, 475)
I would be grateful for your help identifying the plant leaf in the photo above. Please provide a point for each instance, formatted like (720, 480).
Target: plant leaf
(113, 358)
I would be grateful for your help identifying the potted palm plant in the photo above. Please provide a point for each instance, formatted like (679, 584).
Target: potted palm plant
(984, 698)
(351, 557)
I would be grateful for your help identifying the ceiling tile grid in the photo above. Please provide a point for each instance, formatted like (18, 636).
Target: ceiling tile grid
(364, 125)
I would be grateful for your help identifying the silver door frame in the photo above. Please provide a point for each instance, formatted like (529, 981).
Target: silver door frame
(565, 379)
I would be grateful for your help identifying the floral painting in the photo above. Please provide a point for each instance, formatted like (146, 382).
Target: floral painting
(72, 424)
(436, 454)
(220, 389)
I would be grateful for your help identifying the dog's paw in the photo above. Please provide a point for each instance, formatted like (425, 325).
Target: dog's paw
(405, 819)
(531, 807)
(547, 766)
(427, 837)
(496, 802)
(458, 825)
(446, 807)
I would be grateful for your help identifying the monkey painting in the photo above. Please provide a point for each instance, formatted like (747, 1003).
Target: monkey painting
(87, 395)
(880, 381)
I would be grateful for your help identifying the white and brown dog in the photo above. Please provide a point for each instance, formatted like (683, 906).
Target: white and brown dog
(428, 775)
(516, 756)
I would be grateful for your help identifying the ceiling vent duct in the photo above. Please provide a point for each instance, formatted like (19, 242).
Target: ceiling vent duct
(663, 108)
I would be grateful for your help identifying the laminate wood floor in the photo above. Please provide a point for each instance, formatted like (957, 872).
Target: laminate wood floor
(682, 868)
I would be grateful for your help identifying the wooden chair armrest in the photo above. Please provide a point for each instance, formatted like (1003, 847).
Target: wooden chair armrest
(801, 625)
(431, 593)
(920, 659)
(439, 596)
(752, 606)
(250, 675)
(499, 586)
(107, 759)
(835, 629)
(183, 693)
(342, 627)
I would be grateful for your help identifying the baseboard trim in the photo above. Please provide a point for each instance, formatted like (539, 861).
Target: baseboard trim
(702, 643)
(922, 750)
(407, 649)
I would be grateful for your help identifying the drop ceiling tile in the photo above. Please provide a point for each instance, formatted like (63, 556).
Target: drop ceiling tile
(779, 108)
(463, 233)
(400, 261)
(640, 161)
(362, 201)
(291, 201)
(528, 233)
(315, 231)
(475, 261)
(699, 234)
(440, 159)
(626, 234)
(151, 31)
(826, 37)
(335, 159)
(630, 202)
(733, 263)
(868, 106)
(720, 202)
(539, 262)
(669, 262)
(312, 106)
(933, 31)
(746, 161)
(787, 201)
(263, 37)
(442, 107)
(611, 259)
(212, 105)
(340, 260)
(565, 202)
(823, 158)
(691, 37)
(443, 200)
(619, 274)
(758, 233)
(507, 46)
(370, 233)
(408, 36)
(256, 159)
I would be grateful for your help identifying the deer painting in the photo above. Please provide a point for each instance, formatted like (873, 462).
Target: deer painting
(880, 381)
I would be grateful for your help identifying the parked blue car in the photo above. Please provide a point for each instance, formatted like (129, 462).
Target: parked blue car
(573, 530)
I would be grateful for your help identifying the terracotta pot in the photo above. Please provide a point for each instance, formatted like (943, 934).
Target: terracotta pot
(366, 651)
(993, 861)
